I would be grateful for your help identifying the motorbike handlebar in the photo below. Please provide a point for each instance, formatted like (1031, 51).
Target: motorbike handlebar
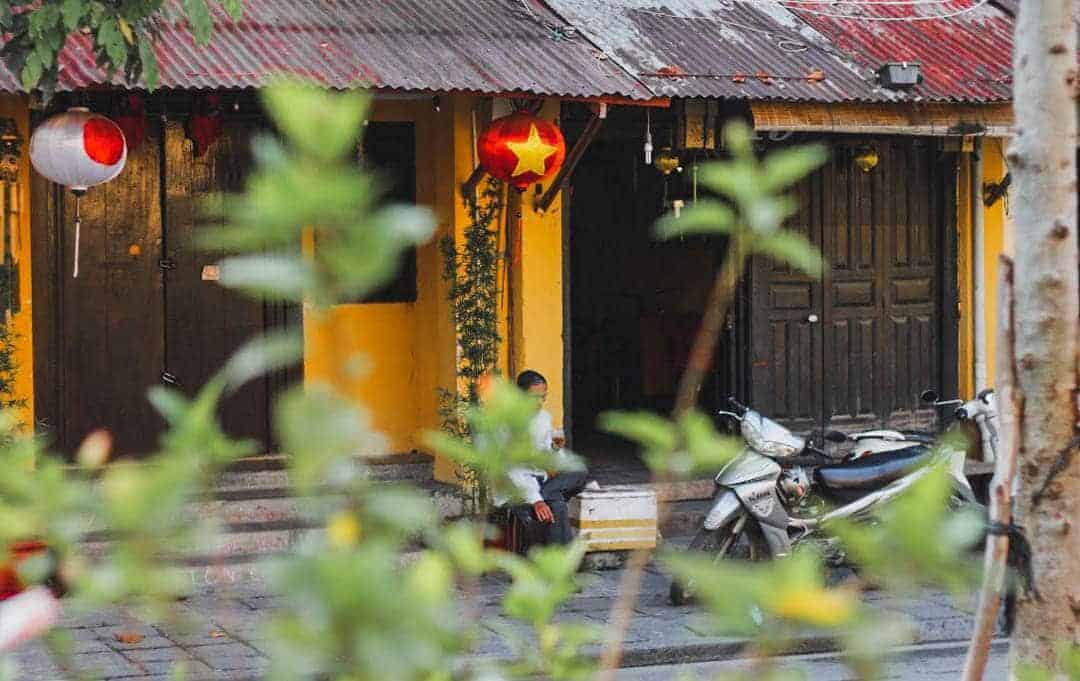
(811, 456)
(737, 406)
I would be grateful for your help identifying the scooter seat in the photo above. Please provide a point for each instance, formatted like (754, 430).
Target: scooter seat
(873, 471)
(919, 436)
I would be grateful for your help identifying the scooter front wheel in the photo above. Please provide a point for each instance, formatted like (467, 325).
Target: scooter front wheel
(738, 540)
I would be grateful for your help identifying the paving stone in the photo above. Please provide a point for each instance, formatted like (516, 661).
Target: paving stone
(34, 662)
(106, 665)
(266, 603)
(228, 656)
(588, 604)
(253, 634)
(151, 637)
(87, 641)
(947, 629)
(658, 632)
(163, 662)
(104, 618)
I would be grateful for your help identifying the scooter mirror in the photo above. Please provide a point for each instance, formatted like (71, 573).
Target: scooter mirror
(836, 436)
(929, 396)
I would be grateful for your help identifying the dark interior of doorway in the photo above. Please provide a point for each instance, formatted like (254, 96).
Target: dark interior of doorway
(635, 303)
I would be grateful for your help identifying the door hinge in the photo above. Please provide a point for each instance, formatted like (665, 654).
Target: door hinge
(166, 377)
(167, 264)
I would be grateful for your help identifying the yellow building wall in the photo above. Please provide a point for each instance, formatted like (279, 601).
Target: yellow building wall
(995, 243)
(410, 349)
(15, 108)
(404, 351)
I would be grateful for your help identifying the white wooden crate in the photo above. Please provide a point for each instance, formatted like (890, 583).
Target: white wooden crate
(616, 518)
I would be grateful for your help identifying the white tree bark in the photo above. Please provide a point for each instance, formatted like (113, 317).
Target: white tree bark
(1042, 159)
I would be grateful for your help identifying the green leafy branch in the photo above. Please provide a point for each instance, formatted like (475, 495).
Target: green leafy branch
(754, 205)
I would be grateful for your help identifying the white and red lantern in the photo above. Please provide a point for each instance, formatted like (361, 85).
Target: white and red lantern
(521, 149)
(78, 149)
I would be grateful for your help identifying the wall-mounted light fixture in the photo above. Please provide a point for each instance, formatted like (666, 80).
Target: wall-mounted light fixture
(900, 75)
(865, 158)
(666, 160)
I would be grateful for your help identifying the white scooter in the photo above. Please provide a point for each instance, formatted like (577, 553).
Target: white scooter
(979, 410)
(750, 517)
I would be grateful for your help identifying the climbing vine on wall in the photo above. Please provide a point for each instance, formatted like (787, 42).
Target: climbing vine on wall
(472, 270)
(8, 368)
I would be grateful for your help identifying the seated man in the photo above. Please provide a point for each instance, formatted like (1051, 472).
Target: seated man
(548, 495)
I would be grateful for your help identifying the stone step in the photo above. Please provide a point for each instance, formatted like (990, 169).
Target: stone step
(271, 471)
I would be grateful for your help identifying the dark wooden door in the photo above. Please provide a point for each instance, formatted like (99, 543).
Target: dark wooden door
(143, 310)
(110, 319)
(857, 347)
(914, 351)
(853, 244)
(207, 322)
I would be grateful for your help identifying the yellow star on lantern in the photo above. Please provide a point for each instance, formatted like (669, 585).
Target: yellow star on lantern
(532, 154)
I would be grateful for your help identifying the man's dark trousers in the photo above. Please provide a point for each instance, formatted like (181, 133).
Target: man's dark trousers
(557, 491)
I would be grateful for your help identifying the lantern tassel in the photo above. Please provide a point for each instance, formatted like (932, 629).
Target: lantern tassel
(78, 226)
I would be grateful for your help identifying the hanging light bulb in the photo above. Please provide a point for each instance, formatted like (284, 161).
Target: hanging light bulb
(648, 138)
(667, 160)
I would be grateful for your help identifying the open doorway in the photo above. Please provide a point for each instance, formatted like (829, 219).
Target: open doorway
(635, 303)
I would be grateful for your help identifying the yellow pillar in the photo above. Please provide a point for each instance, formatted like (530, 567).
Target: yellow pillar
(538, 290)
(15, 108)
(452, 165)
(995, 227)
(964, 272)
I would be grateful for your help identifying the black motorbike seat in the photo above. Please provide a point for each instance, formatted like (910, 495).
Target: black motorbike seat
(873, 471)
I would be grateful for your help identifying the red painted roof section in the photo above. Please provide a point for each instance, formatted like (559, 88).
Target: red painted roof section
(965, 58)
(793, 50)
(491, 46)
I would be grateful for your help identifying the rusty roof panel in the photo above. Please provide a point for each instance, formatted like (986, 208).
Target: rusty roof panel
(966, 52)
(490, 46)
(704, 48)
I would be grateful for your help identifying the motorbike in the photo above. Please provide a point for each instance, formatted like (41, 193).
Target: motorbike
(750, 517)
(979, 411)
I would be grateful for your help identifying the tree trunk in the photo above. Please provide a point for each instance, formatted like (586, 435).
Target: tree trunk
(1042, 159)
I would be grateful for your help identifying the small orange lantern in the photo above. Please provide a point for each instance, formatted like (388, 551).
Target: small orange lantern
(521, 149)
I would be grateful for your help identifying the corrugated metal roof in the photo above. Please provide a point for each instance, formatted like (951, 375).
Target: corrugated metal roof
(490, 46)
(705, 48)
(965, 58)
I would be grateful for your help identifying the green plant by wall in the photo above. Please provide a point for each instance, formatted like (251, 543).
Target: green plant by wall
(472, 271)
(8, 367)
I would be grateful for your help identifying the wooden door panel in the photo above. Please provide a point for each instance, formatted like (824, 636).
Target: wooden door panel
(912, 307)
(111, 319)
(785, 345)
(912, 364)
(852, 307)
(206, 321)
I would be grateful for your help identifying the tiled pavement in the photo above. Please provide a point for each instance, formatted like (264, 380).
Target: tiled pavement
(222, 640)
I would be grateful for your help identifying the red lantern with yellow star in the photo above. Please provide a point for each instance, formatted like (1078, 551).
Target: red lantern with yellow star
(521, 149)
